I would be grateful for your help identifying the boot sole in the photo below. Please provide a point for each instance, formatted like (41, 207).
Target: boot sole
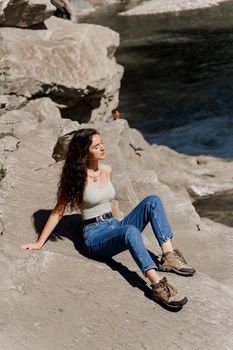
(171, 269)
(178, 306)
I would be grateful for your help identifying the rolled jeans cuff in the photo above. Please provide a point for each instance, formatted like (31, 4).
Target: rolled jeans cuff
(165, 240)
(149, 268)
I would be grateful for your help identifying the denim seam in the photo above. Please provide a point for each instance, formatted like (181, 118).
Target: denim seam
(159, 227)
(103, 241)
(135, 214)
(106, 240)
(165, 239)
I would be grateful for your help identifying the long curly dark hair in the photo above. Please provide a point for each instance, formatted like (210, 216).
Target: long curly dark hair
(74, 172)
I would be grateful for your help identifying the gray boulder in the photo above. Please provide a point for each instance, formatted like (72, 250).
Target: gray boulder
(8, 143)
(74, 64)
(200, 176)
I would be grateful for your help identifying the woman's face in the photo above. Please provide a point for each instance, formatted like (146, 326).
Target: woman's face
(97, 149)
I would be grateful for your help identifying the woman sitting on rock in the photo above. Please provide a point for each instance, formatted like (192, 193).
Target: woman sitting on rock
(86, 185)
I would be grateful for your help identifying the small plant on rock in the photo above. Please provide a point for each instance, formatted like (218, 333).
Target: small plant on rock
(23, 104)
(3, 75)
(4, 134)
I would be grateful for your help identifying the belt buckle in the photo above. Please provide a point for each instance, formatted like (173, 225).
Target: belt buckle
(100, 218)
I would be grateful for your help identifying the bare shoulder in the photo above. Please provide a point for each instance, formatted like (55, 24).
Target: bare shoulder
(107, 168)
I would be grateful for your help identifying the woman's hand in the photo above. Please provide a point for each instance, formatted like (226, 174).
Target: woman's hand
(51, 223)
(31, 246)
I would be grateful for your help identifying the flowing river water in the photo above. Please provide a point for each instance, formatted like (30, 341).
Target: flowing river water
(178, 82)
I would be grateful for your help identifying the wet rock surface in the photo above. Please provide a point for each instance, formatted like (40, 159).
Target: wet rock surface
(218, 208)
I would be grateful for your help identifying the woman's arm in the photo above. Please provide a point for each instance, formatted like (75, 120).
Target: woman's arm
(51, 223)
(115, 212)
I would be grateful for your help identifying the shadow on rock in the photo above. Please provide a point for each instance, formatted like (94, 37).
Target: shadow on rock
(70, 226)
(135, 280)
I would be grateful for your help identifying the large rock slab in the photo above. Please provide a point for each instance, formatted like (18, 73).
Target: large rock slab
(37, 113)
(199, 175)
(74, 64)
(25, 13)
(70, 301)
(217, 207)
(28, 137)
(158, 6)
(32, 162)
(62, 310)
(205, 243)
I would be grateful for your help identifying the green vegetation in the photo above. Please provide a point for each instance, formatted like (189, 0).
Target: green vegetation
(3, 86)
(3, 134)
(13, 107)
(4, 71)
(3, 75)
(23, 104)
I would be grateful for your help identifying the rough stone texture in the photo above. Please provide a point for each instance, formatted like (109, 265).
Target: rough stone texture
(84, 7)
(8, 143)
(56, 298)
(201, 175)
(102, 2)
(115, 315)
(158, 6)
(217, 207)
(40, 113)
(74, 64)
(11, 102)
(24, 13)
(35, 127)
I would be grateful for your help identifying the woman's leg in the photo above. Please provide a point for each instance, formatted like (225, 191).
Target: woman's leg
(166, 247)
(108, 238)
(150, 209)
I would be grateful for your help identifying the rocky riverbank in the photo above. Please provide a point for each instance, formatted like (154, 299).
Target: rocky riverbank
(217, 207)
(153, 7)
(56, 298)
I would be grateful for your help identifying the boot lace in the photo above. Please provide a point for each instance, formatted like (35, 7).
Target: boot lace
(180, 256)
(167, 287)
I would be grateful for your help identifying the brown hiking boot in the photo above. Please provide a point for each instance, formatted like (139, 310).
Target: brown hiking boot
(174, 261)
(165, 293)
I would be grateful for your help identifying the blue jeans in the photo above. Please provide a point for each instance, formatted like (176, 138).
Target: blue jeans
(109, 237)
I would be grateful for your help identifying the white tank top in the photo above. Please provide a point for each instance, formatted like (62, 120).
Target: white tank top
(97, 201)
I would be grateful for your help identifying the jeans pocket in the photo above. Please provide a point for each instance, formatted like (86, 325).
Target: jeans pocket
(89, 227)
